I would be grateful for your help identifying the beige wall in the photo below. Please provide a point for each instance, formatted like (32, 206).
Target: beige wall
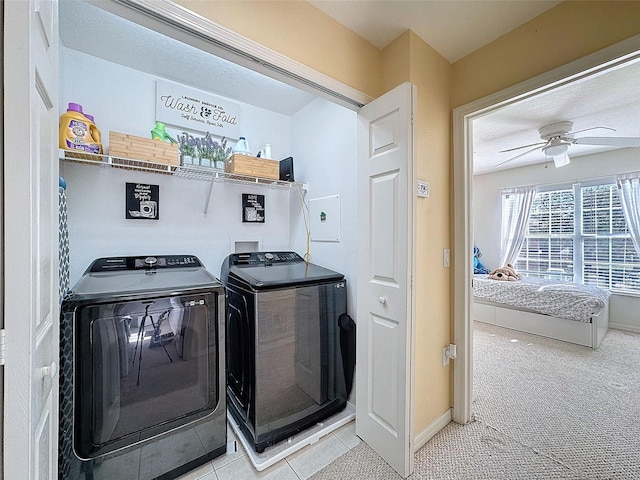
(303, 33)
(396, 62)
(432, 75)
(409, 59)
(563, 34)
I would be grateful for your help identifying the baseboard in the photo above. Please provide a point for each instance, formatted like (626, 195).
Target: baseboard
(625, 327)
(428, 433)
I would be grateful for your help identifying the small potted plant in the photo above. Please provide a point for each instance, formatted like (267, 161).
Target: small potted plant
(213, 153)
(206, 151)
(187, 145)
(221, 154)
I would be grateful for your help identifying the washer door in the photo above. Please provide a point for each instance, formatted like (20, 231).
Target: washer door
(240, 326)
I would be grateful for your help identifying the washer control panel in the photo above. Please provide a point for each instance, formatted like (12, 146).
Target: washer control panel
(144, 263)
(264, 258)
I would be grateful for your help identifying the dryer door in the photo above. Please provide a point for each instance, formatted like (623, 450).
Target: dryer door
(143, 368)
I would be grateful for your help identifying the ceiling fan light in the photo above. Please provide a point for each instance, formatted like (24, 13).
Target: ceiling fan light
(561, 160)
(556, 150)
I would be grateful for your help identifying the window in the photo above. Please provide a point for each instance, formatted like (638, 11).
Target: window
(579, 234)
(548, 245)
(609, 258)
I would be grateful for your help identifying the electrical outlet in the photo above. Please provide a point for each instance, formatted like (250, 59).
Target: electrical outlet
(423, 189)
(445, 356)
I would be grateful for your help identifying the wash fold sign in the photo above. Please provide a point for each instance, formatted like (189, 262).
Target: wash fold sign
(196, 110)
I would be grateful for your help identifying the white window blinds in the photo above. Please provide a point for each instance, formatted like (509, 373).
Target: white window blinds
(579, 234)
(548, 247)
(610, 259)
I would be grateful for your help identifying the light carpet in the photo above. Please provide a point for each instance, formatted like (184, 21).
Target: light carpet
(544, 409)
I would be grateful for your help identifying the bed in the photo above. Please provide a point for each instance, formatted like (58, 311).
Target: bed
(565, 311)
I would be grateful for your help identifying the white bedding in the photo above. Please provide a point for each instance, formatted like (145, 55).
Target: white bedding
(563, 300)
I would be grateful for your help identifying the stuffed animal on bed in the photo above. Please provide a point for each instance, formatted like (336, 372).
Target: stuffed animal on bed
(505, 273)
(478, 267)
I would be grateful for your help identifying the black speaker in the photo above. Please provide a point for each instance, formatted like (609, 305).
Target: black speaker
(286, 169)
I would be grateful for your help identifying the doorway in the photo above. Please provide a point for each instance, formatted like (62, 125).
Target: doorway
(598, 63)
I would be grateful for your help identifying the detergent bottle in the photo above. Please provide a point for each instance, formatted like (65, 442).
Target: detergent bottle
(242, 147)
(95, 131)
(159, 133)
(76, 131)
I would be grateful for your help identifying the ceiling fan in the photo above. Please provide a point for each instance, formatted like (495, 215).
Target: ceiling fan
(558, 137)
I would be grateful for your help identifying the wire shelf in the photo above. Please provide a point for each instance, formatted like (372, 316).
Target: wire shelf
(192, 172)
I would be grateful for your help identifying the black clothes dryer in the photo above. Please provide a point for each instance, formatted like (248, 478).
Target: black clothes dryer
(142, 379)
(285, 370)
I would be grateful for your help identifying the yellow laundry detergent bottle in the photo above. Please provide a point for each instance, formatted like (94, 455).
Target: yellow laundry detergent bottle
(77, 132)
(95, 131)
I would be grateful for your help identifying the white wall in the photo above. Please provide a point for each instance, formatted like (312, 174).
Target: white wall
(97, 224)
(122, 99)
(323, 142)
(321, 138)
(487, 203)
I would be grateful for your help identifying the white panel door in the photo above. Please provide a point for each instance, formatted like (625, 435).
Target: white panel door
(30, 252)
(385, 305)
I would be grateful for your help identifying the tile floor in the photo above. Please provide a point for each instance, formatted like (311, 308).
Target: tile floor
(298, 466)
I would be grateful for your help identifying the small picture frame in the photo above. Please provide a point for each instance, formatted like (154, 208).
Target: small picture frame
(142, 201)
(253, 210)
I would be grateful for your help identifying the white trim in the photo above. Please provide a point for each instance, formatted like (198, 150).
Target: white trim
(2, 346)
(249, 53)
(604, 60)
(462, 267)
(412, 175)
(428, 433)
(625, 327)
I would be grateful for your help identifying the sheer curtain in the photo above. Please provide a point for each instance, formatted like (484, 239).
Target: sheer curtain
(629, 188)
(516, 209)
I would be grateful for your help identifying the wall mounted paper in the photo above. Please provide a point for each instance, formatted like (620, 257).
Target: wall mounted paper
(193, 109)
(324, 222)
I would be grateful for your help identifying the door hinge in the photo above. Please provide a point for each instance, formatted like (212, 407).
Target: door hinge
(449, 352)
(2, 352)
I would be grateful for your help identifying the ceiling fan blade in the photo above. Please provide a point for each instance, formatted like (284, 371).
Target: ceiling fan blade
(592, 128)
(609, 141)
(521, 146)
(517, 156)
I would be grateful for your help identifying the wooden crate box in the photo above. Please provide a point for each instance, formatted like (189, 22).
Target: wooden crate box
(253, 166)
(122, 145)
